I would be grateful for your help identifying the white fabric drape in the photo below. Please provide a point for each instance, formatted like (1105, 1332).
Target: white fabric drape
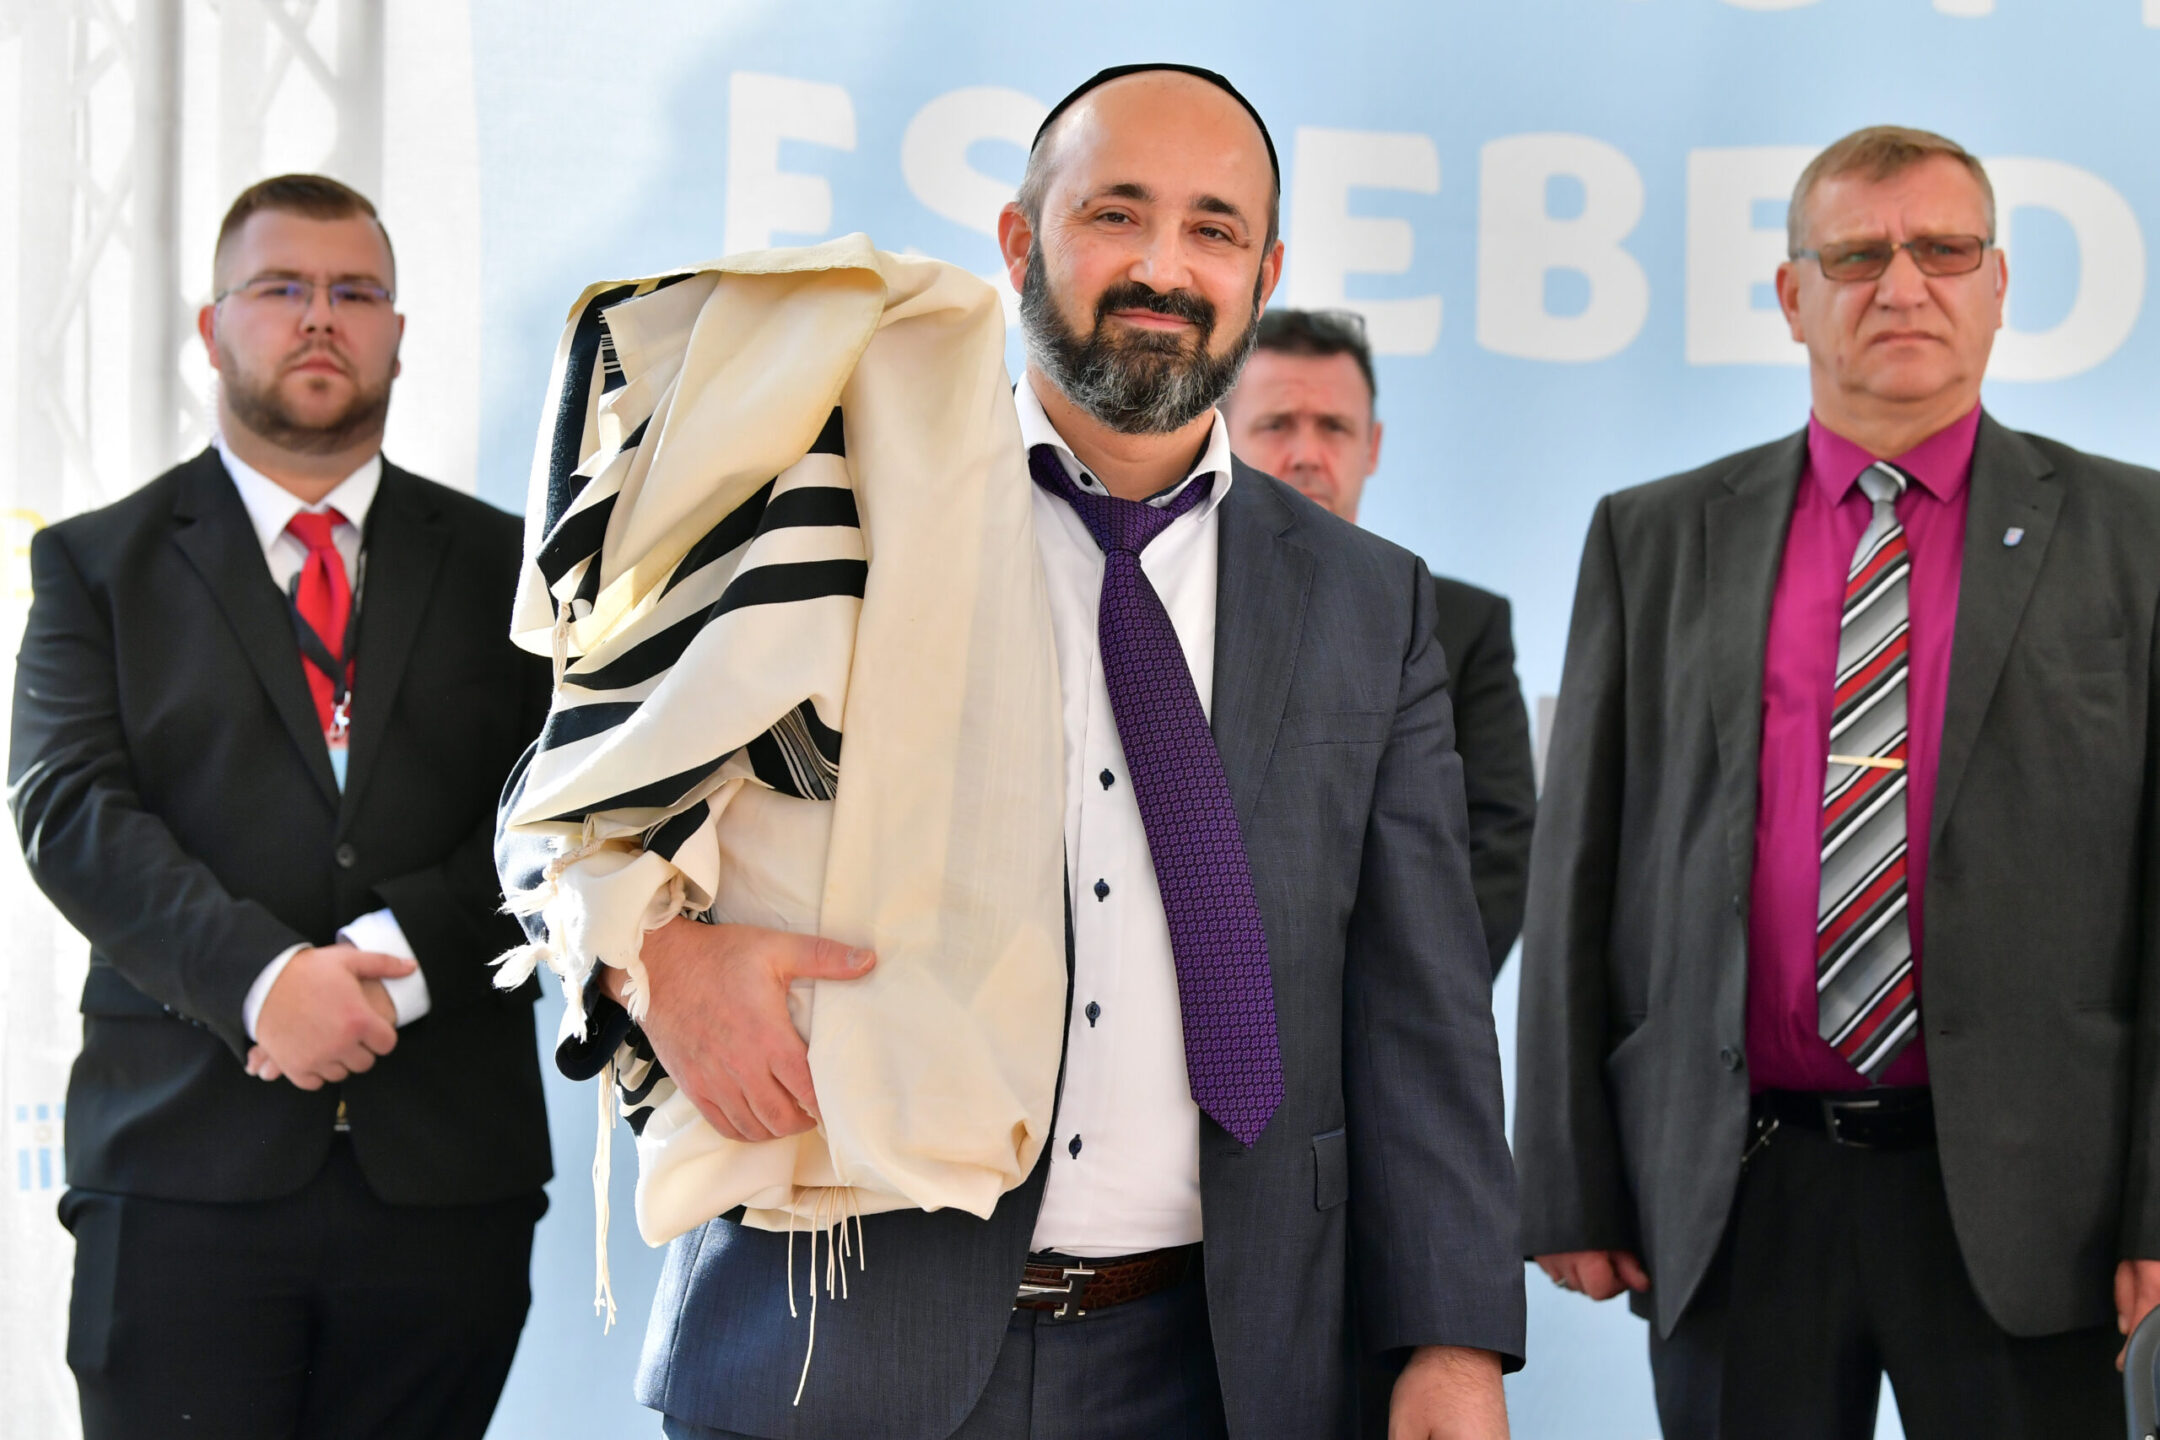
(941, 845)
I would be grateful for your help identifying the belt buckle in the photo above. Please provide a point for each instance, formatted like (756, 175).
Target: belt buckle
(1835, 1111)
(1073, 1291)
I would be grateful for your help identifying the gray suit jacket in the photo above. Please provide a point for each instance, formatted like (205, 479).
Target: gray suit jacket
(2041, 977)
(1386, 1161)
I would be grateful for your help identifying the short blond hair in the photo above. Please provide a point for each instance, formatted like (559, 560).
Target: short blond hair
(1879, 152)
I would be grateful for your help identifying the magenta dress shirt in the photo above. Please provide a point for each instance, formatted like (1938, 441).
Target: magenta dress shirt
(1784, 1051)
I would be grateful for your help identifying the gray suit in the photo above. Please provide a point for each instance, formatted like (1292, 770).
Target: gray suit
(2041, 978)
(1386, 1161)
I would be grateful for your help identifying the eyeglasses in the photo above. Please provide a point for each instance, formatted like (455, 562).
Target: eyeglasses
(1867, 259)
(353, 297)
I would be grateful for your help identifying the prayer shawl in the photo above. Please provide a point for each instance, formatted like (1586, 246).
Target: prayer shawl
(779, 500)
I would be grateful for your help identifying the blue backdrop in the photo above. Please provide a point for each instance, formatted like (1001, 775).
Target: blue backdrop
(1560, 216)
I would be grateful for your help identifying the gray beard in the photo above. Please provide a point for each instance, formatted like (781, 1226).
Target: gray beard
(1143, 385)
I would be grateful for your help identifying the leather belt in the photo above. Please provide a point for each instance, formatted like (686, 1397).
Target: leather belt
(1881, 1119)
(1070, 1286)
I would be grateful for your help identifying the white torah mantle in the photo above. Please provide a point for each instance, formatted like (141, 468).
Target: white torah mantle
(779, 544)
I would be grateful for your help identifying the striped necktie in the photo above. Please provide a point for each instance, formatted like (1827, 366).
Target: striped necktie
(1867, 1006)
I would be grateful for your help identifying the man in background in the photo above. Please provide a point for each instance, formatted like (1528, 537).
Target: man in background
(263, 709)
(1841, 983)
(1304, 411)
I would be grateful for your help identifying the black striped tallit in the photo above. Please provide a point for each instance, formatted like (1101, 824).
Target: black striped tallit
(800, 754)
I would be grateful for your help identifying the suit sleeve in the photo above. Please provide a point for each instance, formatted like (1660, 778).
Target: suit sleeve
(2141, 1190)
(1575, 1193)
(451, 912)
(111, 867)
(1492, 733)
(1433, 1206)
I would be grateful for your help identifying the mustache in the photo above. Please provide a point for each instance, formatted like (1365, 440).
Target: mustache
(1178, 304)
(315, 350)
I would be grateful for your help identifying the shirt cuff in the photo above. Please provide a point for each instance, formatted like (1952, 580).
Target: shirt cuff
(379, 931)
(251, 1006)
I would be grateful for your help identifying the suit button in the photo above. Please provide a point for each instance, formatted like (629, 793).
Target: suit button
(346, 857)
(1102, 889)
(1729, 1058)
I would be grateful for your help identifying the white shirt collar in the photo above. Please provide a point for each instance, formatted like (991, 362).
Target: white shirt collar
(270, 506)
(1036, 429)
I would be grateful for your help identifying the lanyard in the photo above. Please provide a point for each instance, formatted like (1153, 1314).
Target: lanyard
(318, 654)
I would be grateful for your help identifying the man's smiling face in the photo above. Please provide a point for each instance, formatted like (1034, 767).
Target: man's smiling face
(1153, 251)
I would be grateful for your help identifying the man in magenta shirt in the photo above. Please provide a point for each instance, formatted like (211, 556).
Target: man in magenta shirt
(1785, 1050)
(1840, 1020)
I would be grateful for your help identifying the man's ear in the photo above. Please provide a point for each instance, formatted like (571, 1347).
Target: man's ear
(206, 327)
(1270, 272)
(1788, 298)
(1016, 238)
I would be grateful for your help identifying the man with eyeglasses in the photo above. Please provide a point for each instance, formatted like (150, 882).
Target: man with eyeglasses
(1841, 978)
(264, 706)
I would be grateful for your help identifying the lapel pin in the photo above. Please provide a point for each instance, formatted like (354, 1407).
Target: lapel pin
(2012, 535)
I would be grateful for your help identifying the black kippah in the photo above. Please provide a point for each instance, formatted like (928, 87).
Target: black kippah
(1118, 72)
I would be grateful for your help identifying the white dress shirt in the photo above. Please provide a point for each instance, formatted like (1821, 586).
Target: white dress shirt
(1125, 1159)
(270, 508)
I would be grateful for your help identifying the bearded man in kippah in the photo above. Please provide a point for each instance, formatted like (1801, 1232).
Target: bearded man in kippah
(1277, 1144)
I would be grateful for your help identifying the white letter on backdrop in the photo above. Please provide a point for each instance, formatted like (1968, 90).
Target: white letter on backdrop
(2111, 269)
(1728, 256)
(1519, 242)
(1328, 243)
(763, 199)
(934, 151)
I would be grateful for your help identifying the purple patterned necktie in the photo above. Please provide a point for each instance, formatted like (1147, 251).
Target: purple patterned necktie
(1233, 1058)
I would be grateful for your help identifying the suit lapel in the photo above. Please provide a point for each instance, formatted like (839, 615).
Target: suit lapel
(406, 538)
(2011, 489)
(1262, 581)
(213, 532)
(1744, 536)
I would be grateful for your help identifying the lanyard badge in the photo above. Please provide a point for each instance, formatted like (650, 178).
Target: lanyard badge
(337, 669)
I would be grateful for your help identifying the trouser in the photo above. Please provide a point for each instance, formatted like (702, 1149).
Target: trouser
(1838, 1266)
(320, 1315)
(1144, 1370)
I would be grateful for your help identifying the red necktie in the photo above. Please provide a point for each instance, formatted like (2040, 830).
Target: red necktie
(324, 598)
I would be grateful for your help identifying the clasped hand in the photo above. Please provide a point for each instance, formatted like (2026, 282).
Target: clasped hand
(327, 1016)
(718, 1020)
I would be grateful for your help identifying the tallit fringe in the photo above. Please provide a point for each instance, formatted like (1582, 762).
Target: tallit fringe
(602, 1167)
(513, 967)
(838, 1250)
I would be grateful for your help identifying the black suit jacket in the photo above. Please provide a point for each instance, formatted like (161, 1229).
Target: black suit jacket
(2040, 977)
(175, 801)
(1492, 734)
(1377, 1209)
